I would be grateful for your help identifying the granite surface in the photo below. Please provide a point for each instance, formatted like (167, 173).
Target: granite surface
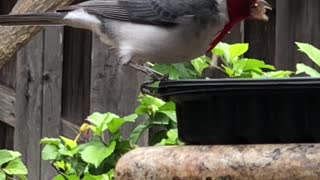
(289, 162)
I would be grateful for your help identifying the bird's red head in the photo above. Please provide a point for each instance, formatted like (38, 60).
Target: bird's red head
(240, 10)
(247, 9)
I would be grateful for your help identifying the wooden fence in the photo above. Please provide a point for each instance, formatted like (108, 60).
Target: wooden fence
(63, 74)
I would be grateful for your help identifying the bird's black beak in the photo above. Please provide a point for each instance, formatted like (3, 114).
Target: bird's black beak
(266, 4)
(259, 9)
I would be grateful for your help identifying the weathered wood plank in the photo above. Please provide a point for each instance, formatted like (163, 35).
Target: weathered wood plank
(68, 129)
(29, 104)
(6, 134)
(7, 106)
(13, 38)
(113, 88)
(296, 21)
(52, 89)
(8, 73)
(76, 75)
(7, 77)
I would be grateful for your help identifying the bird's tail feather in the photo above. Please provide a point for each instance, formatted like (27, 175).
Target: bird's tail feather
(32, 19)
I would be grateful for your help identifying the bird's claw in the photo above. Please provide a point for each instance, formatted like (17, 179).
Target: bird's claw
(156, 76)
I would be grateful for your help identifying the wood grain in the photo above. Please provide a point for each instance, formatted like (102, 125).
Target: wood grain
(52, 90)
(13, 38)
(7, 106)
(29, 104)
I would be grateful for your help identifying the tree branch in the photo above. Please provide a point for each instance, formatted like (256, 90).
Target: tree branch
(14, 37)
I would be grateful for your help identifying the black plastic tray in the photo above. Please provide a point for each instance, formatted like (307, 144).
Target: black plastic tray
(237, 111)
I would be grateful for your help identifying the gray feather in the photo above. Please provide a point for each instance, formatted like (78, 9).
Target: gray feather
(160, 12)
(31, 19)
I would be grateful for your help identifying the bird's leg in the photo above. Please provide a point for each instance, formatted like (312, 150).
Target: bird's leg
(147, 70)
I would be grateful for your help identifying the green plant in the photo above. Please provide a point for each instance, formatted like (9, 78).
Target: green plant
(11, 165)
(158, 114)
(95, 159)
(190, 70)
(233, 65)
(314, 54)
(237, 67)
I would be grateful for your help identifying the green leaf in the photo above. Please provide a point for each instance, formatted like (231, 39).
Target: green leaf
(130, 118)
(172, 138)
(96, 152)
(71, 177)
(67, 152)
(186, 71)
(138, 131)
(115, 124)
(6, 156)
(16, 167)
(59, 177)
(275, 74)
(222, 51)
(91, 177)
(312, 52)
(201, 63)
(302, 68)
(101, 121)
(237, 50)
(52, 141)
(22, 177)
(169, 109)
(69, 142)
(50, 152)
(229, 71)
(60, 165)
(168, 70)
(123, 147)
(254, 64)
(2, 175)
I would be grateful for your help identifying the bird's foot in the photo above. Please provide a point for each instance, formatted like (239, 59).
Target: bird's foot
(156, 76)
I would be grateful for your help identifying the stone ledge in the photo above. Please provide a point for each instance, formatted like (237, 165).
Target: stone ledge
(294, 161)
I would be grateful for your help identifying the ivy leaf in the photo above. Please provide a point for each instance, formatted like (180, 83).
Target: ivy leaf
(172, 138)
(16, 167)
(52, 141)
(101, 121)
(138, 131)
(115, 124)
(124, 147)
(50, 152)
(302, 68)
(2, 175)
(71, 177)
(237, 50)
(312, 52)
(201, 63)
(6, 156)
(222, 51)
(69, 142)
(254, 64)
(275, 74)
(167, 70)
(169, 109)
(95, 152)
(22, 177)
(91, 177)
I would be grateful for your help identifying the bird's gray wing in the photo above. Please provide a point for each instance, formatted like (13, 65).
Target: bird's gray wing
(160, 12)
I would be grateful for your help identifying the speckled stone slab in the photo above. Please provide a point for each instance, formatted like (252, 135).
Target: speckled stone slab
(287, 162)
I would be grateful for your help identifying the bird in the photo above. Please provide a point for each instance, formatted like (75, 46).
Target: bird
(157, 31)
